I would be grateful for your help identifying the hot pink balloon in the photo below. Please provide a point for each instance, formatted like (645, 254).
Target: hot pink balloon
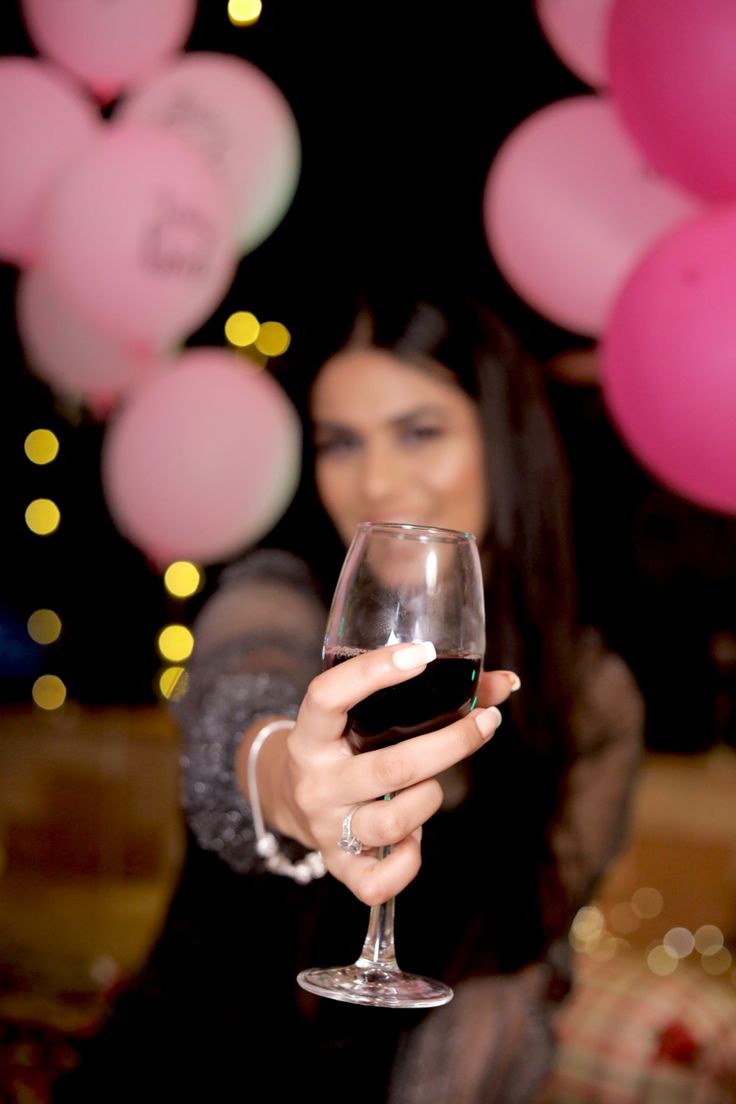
(669, 360)
(108, 45)
(673, 79)
(202, 459)
(577, 31)
(75, 360)
(570, 206)
(45, 122)
(137, 237)
(238, 118)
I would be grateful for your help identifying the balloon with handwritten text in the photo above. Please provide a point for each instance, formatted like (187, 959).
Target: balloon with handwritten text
(138, 237)
(240, 121)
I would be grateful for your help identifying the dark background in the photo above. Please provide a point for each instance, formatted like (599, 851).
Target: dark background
(401, 109)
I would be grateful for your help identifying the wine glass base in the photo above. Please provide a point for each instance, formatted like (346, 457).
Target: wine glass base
(376, 986)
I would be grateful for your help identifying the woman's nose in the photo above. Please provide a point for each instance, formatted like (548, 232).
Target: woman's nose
(380, 473)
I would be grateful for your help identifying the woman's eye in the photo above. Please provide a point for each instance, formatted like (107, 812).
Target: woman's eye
(420, 433)
(332, 446)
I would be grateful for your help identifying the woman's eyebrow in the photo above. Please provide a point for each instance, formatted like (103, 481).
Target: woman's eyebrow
(427, 409)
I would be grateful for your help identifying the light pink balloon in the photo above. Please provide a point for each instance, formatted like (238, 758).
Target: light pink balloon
(570, 206)
(238, 118)
(45, 123)
(202, 458)
(76, 361)
(577, 31)
(673, 80)
(668, 361)
(108, 44)
(137, 237)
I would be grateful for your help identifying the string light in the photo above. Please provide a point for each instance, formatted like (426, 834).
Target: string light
(716, 963)
(43, 516)
(647, 903)
(243, 13)
(49, 692)
(708, 939)
(172, 682)
(44, 626)
(242, 329)
(679, 942)
(623, 918)
(41, 446)
(661, 962)
(175, 643)
(182, 579)
(273, 339)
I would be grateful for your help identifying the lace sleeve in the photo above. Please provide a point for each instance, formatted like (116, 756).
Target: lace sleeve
(592, 826)
(257, 645)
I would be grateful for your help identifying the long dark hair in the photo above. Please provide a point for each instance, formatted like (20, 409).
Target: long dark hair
(527, 551)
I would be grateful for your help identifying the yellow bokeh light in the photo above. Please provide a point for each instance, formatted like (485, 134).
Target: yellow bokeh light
(175, 643)
(273, 339)
(242, 13)
(647, 903)
(172, 682)
(44, 626)
(661, 962)
(242, 329)
(49, 692)
(41, 446)
(42, 516)
(183, 579)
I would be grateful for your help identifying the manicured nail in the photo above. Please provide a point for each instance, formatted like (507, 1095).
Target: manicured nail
(488, 721)
(513, 679)
(414, 655)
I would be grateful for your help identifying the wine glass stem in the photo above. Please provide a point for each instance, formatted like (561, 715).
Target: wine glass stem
(378, 949)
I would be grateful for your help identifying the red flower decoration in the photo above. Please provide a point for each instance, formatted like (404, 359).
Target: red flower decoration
(676, 1044)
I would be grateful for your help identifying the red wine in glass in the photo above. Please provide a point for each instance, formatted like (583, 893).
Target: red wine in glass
(444, 692)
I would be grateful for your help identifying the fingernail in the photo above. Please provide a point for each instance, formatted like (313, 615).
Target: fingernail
(414, 655)
(513, 679)
(488, 721)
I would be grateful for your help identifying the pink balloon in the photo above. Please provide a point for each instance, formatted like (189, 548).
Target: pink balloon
(668, 360)
(137, 237)
(108, 45)
(45, 123)
(577, 31)
(237, 117)
(202, 459)
(75, 360)
(570, 206)
(673, 79)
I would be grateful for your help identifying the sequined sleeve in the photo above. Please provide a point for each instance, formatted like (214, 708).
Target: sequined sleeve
(257, 645)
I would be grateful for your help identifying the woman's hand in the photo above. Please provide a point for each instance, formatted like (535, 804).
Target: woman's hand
(310, 778)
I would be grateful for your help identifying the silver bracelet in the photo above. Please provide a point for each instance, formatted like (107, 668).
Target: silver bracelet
(267, 846)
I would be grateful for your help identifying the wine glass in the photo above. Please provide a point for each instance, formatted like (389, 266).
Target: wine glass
(402, 583)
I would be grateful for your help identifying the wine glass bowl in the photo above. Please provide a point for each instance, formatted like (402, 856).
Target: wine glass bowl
(401, 584)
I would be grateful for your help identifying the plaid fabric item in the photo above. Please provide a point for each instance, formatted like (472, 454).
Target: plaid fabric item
(629, 1037)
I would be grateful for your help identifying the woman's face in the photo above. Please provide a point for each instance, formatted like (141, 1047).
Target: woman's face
(397, 443)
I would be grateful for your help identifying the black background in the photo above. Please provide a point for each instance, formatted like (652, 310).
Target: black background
(401, 108)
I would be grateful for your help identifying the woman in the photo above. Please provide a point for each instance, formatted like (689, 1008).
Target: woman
(433, 415)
